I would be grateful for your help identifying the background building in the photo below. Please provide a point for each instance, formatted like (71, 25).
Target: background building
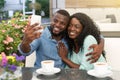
(10, 7)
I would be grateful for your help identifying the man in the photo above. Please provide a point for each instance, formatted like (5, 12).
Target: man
(45, 43)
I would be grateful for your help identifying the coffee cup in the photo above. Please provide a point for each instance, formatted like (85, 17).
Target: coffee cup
(47, 65)
(101, 68)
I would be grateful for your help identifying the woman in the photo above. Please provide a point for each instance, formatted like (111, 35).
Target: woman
(82, 33)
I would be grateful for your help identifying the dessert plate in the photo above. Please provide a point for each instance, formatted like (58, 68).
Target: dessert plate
(93, 73)
(41, 71)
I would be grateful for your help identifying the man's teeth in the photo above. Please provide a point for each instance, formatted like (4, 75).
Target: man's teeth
(56, 29)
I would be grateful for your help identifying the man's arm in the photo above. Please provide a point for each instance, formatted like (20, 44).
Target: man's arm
(30, 34)
(25, 47)
(97, 51)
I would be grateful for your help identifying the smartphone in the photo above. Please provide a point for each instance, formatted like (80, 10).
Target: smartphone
(36, 19)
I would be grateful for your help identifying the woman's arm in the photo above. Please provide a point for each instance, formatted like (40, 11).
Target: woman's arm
(63, 52)
(70, 63)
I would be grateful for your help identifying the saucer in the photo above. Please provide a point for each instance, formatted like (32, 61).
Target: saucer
(41, 71)
(93, 73)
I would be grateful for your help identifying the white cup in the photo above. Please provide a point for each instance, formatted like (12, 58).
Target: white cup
(101, 68)
(47, 65)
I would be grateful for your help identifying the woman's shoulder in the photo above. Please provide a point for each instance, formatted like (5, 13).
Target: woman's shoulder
(90, 39)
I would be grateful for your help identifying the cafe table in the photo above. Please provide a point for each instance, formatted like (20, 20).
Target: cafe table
(29, 73)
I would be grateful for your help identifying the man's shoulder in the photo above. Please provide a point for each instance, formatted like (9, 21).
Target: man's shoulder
(46, 32)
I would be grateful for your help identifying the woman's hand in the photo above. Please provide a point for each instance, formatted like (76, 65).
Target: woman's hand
(62, 50)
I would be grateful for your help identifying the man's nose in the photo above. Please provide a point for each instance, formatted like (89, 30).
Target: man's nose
(57, 24)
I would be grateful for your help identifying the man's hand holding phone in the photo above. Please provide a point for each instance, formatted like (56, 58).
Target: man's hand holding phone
(36, 19)
(33, 29)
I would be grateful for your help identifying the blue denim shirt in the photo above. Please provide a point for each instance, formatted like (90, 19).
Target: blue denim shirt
(46, 49)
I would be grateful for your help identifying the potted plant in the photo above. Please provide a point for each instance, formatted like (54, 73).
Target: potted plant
(11, 33)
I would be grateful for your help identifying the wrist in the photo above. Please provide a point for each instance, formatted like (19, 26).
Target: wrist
(26, 41)
(25, 46)
(65, 59)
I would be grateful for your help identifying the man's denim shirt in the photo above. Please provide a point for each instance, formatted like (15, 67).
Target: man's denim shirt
(46, 49)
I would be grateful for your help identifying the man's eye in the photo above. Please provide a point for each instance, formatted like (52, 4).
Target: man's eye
(55, 20)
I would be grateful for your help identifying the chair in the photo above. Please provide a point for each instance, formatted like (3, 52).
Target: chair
(112, 48)
(30, 60)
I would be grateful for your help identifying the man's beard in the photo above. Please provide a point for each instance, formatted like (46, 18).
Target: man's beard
(60, 34)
